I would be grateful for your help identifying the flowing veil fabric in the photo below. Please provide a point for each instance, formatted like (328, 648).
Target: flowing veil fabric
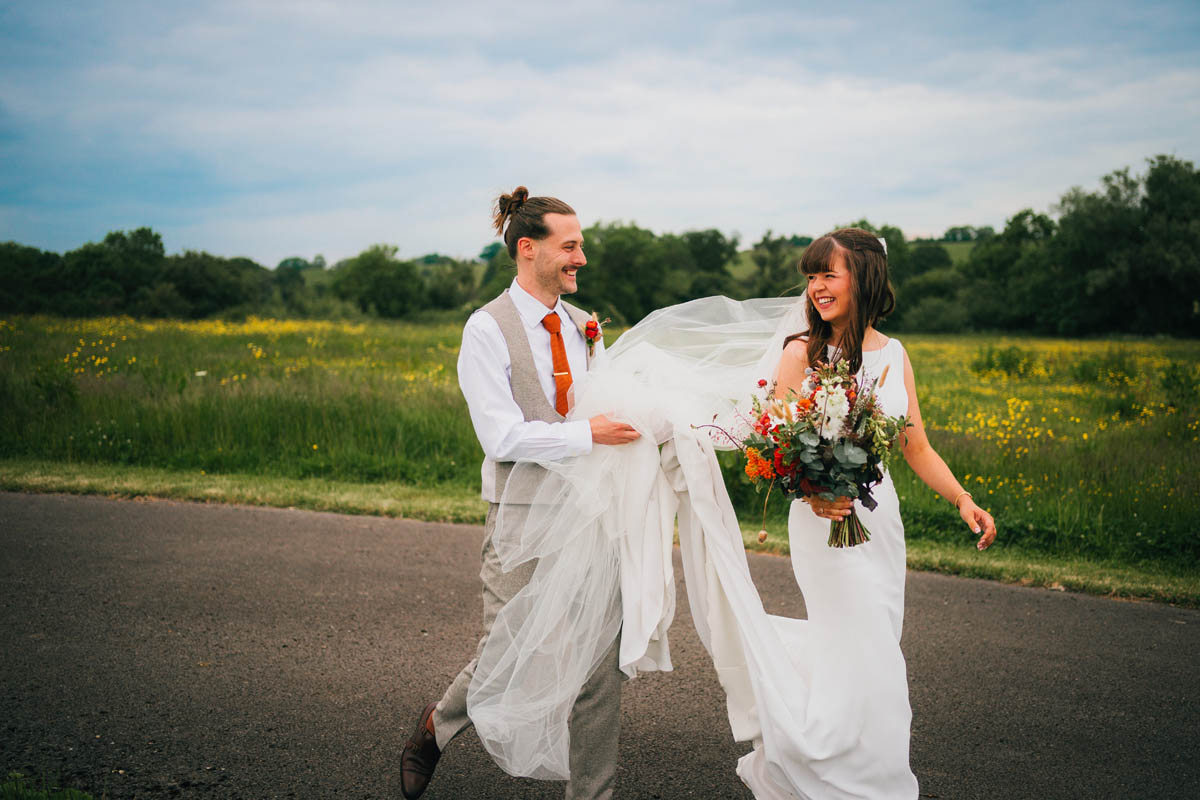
(601, 528)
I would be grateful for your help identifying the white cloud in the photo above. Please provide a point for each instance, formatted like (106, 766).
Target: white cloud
(326, 127)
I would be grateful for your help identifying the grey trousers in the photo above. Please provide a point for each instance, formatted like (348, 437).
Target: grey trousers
(595, 719)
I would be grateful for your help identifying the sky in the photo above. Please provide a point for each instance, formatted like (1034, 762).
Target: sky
(276, 129)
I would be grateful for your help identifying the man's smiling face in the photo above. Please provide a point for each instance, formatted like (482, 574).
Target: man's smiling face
(557, 257)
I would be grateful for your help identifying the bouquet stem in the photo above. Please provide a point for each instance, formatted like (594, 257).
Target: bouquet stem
(848, 532)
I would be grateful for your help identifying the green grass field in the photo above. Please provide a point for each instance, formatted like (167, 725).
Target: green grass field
(1081, 449)
(1078, 448)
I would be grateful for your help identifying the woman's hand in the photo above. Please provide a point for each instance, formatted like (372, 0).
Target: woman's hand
(979, 521)
(830, 509)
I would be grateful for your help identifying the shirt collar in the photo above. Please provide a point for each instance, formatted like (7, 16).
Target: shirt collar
(532, 310)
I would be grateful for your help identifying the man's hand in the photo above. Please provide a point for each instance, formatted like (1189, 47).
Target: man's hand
(605, 431)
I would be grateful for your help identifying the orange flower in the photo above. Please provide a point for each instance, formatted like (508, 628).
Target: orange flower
(752, 459)
(757, 466)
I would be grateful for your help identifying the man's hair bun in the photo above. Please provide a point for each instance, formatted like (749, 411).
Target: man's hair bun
(509, 204)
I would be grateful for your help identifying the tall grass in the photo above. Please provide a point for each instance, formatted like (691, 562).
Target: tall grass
(1078, 448)
(362, 402)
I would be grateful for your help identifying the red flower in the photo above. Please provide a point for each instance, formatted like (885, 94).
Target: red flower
(761, 383)
(808, 487)
(593, 333)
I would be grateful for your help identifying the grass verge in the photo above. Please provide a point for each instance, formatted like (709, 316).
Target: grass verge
(459, 504)
(1061, 573)
(1014, 565)
(17, 787)
(433, 504)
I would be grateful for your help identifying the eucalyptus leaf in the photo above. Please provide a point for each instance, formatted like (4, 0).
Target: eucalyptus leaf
(855, 454)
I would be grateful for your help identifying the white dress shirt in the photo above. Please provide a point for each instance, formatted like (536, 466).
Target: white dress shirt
(484, 371)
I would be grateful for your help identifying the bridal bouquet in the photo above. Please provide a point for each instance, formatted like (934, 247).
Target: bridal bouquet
(832, 440)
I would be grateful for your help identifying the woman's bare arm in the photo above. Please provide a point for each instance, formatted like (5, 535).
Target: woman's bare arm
(931, 469)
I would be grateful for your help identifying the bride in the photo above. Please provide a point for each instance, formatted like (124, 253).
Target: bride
(855, 596)
(824, 700)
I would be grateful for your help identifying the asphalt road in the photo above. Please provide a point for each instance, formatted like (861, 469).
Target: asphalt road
(162, 649)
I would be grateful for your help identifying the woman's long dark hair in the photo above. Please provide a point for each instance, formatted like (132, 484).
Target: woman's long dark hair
(872, 296)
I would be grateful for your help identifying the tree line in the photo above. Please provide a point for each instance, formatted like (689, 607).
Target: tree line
(1124, 258)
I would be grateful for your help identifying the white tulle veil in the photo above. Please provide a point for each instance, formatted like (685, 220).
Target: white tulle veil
(601, 525)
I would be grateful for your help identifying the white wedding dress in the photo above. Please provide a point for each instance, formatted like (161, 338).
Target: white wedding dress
(855, 735)
(825, 700)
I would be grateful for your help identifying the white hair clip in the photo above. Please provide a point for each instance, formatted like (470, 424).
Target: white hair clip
(883, 242)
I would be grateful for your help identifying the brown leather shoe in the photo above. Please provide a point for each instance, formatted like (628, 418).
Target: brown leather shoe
(420, 756)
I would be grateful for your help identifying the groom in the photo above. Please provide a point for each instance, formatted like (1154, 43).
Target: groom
(518, 355)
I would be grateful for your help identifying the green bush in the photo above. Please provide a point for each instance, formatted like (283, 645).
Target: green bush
(936, 315)
(1114, 367)
(1180, 384)
(1011, 360)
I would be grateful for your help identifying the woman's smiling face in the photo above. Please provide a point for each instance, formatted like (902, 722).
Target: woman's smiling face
(832, 291)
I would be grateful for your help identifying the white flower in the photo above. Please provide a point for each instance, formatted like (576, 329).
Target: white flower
(200, 373)
(835, 406)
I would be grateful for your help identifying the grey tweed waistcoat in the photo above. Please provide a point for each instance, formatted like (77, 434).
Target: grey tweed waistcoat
(526, 387)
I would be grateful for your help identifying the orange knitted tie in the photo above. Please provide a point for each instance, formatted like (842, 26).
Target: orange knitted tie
(562, 370)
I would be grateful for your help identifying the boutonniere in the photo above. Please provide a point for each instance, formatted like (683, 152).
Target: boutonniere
(593, 332)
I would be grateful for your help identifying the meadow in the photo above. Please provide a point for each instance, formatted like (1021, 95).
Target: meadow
(1081, 449)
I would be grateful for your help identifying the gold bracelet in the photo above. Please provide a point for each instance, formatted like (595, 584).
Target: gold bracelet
(959, 497)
